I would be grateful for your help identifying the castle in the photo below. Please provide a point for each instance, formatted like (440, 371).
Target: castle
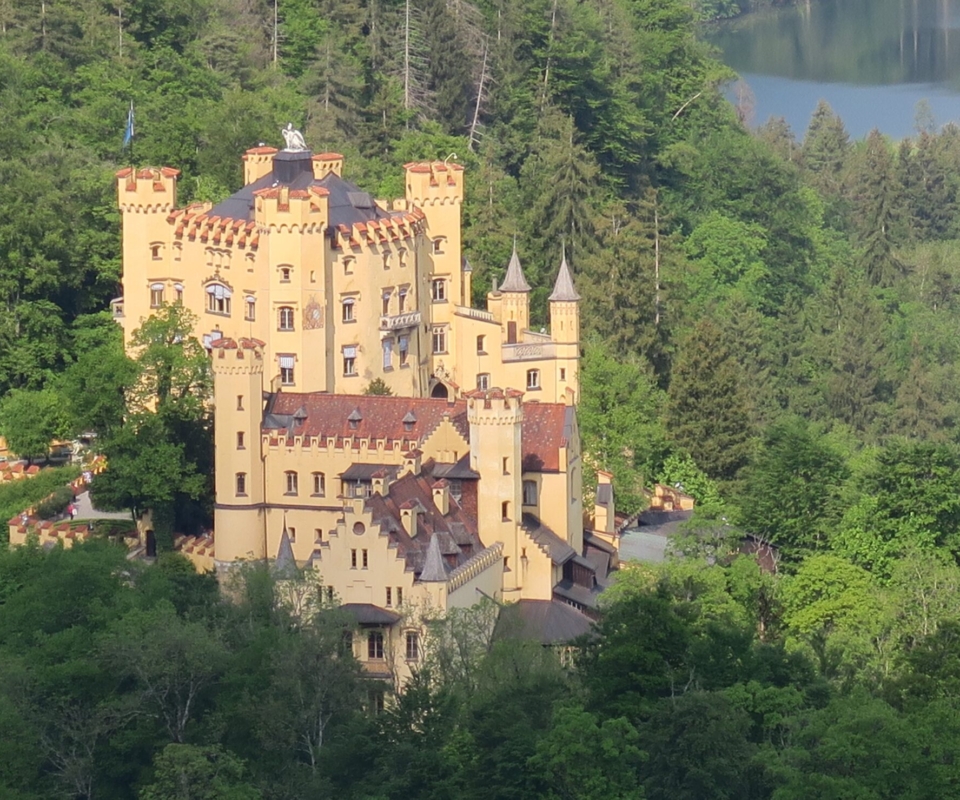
(465, 483)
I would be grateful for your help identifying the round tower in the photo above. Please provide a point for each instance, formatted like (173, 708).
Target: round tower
(239, 521)
(565, 330)
(495, 417)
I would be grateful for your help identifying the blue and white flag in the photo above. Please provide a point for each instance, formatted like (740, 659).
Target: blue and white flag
(128, 133)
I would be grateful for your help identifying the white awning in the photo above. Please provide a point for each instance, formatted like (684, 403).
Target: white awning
(350, 352)
(219, 291)
(156, 287)
(178, 287)
(286, 362)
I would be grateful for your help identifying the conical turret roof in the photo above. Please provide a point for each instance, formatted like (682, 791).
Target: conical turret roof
(285, 565)
(434, 570)
(514, 281)
(563, 289)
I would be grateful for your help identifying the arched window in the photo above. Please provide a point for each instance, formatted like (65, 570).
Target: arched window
(156, 295)
(291, 481)
(348, 264)
(285, 318)
(529, 493)
(319, 484)
(241, 484)
(533, 379)
(402, 257)
(386, 261)
(439, 244)
(218, 299)
(250, 308)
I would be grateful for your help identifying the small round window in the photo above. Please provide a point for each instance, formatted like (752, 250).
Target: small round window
(359, 528)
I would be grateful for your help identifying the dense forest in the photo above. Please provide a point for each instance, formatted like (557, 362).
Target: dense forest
(770, 320)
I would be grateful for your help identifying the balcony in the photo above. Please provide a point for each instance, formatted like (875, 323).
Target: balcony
(525, 351)
(116, 307)
(400, 321)
(474, 313)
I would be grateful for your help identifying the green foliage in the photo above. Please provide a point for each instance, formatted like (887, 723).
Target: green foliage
(30, 420)
(378, 386)
(55, 504)
(189, 772)
(17, 496)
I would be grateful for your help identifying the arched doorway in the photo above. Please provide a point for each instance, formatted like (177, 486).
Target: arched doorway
(440, 391)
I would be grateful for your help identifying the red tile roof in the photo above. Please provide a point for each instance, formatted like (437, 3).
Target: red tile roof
(544, 429)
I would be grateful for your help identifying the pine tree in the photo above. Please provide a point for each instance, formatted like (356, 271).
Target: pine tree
(826, 146)
(878, 204)
(707, 412)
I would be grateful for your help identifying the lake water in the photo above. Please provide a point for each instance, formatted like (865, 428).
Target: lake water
(872, 60)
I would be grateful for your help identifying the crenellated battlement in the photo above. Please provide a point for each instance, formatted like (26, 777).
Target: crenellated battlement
(434, 183)
(148, 190)
(494, 406)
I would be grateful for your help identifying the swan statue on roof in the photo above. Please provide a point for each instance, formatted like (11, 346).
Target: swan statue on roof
(294, 139)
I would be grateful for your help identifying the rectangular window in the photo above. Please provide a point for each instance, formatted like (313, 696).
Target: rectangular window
(156, 295)
(349, 360)
(439, 290)
(389, 596)
(319, 484)
(387, 345)
(240, 440)
(318, 535)
(399, 596)
(529, 493)
(239, 402)
(347, 315)
(286, 370)
(402, 300)
(413, 646)
(481, 340)
(439, 340)
(178, 293)
(505, 512)
(456, 488)
(353, 559)
(250, 312)
(563, 374)
(241, 483)
(385, 310)
(375, 645)
(292, 533)
(403, 345)
(291, 482)
(285, 318)
(506, 465)
(365, 562)
(483, 381)
(533, 379)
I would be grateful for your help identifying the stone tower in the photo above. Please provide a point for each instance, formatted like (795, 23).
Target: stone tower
(238, 368)
(495, 417)
(565, 330)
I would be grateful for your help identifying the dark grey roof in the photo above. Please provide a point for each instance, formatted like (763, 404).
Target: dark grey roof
(434, 570)
(559, 551)
(285, 565)
(544, 621)
(410, 418)
(369, 614)
(355, 416)
(600, 561)
(365, 472)
(563, 290)
(346, 202)
(581, 595)
(590, 539)
(514, 281)
(643, 545)
(460, 471)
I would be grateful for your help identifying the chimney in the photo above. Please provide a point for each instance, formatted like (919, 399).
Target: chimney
(411, 461)
(381, 482)
(325, 163)
(257, 162)
(441, 496)
(603, 509)
(408, 517)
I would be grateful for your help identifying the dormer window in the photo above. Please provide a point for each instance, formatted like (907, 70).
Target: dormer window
(354, 419)
(409, 421)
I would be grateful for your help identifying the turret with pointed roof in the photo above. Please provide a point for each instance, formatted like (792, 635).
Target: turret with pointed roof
(563, 289)
(515, 299)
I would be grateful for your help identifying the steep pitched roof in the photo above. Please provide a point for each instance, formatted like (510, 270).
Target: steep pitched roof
(285, 565)
(514, 281)
(545, 430)
(434, 569)
(563, 289)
